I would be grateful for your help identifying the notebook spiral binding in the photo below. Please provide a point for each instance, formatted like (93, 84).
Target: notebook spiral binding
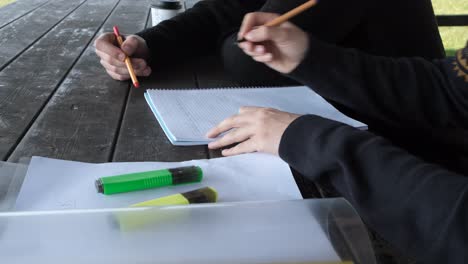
(220, 88)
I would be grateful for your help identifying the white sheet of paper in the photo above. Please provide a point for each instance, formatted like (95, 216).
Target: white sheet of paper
(52, 184)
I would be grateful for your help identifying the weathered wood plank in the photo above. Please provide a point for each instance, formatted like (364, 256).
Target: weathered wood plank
(81, 120)
(19, 35)
(28, 82)
(72, 36)
(18, 9)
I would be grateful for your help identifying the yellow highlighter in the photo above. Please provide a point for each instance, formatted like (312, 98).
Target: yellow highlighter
(202, 195)
(151, 218)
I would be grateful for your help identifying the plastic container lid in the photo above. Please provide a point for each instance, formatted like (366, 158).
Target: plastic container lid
(168, 4)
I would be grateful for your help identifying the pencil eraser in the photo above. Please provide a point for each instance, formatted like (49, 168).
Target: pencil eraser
(116, 31)
(137, 84)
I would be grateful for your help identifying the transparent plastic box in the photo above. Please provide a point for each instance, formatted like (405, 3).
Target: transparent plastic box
(296, 231)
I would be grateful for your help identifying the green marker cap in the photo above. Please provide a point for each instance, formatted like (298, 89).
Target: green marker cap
(148, 179)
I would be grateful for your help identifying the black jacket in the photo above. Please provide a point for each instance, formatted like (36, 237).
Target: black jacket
(412, 186)
(390, 28)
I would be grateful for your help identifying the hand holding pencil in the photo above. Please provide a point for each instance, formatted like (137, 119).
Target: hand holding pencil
(113, 55)
(271, 39)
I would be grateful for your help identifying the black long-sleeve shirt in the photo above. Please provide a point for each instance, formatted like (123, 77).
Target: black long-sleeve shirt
(391, 28)
(414, 193)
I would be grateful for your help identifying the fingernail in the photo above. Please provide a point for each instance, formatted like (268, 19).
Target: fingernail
(121, 57)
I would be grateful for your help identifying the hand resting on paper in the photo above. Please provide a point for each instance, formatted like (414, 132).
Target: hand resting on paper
(281, 48)
(112, 57)
(255, 129)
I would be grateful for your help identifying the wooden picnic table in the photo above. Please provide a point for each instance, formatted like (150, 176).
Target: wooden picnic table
(57, 101)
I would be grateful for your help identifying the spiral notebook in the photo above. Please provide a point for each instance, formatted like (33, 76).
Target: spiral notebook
(186, 115)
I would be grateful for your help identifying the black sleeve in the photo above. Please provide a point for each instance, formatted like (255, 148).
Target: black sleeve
(399, 92)
(421, 208)
(197, 30)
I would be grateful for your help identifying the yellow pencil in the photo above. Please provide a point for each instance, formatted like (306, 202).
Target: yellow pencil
(288, 15)
(127, 59)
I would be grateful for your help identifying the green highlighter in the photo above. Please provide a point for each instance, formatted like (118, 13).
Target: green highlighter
(148, 180)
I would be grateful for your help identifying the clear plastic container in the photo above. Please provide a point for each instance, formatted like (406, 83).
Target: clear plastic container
(11, 179)
(298, 231)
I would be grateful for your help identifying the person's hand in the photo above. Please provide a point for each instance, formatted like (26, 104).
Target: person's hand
(282, 48)
(113, 58)
(256, 129)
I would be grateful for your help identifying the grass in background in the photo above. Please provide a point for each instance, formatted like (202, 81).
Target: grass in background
(454, 38)
(6, 2)
(450, 7)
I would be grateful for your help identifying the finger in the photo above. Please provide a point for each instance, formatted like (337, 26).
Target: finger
(130, 45)
(106, 43)
(252, 20)
(228, 123)
(110, 60)
(235, 136)
(246, 46)
(139, 64)
(241, 148)
(123, 70)
(263, 33)
(265, 58)
(259, 49)
(120, 70)
(255, 50)
(119, 77)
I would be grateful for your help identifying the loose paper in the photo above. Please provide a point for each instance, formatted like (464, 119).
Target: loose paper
(52, 184)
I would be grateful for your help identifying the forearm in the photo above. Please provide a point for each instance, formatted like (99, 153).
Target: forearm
(197, 30)
(409, 92)
(419, 207)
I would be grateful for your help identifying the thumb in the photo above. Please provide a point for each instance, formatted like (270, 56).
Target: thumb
(252, 20)
(130, 45)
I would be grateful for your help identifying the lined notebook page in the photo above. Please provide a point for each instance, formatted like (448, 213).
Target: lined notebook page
(186, 115)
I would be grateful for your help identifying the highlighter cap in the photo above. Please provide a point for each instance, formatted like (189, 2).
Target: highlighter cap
(99, 187)
(187, 174)
(202, 195)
